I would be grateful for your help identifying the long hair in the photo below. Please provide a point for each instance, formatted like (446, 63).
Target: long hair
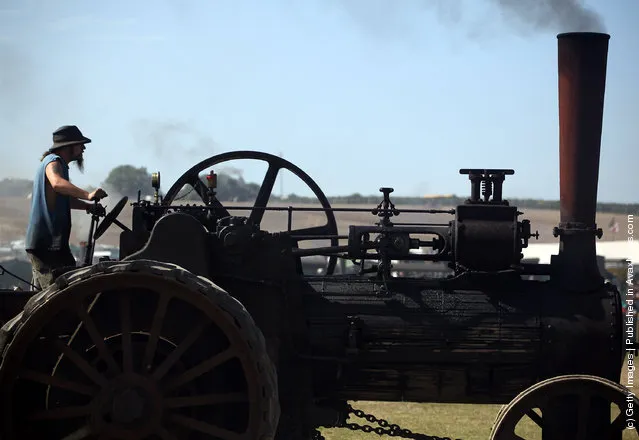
(51, 151)
(45, 154)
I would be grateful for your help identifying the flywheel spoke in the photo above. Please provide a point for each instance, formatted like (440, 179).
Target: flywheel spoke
(198, 186)
(201, 190)
(263, 196)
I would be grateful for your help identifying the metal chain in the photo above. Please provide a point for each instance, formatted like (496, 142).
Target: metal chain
(384, 428)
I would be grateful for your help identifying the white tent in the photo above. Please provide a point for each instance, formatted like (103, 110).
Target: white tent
(610, 250)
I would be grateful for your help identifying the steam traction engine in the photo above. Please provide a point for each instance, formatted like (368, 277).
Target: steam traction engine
(207, 328)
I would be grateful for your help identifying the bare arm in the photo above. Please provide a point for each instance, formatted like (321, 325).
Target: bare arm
(62, 185)
(79, 204)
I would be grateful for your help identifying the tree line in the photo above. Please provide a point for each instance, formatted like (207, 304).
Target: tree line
(127, 180)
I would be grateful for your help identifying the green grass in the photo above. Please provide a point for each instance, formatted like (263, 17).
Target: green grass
(467, 422)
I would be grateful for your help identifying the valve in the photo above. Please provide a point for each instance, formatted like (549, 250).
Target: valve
(155, 183)
(526, 233)
(486, 183)
(211, 180)
(386, 209)
(211, 184)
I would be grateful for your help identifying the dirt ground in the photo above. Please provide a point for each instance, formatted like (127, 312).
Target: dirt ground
(14, 214)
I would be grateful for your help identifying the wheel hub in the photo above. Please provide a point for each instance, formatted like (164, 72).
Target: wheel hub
(129, 404)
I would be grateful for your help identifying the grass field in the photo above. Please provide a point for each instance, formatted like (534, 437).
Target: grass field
(468, 422)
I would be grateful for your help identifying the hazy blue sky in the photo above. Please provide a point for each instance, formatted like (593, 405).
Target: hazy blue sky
(358, 93)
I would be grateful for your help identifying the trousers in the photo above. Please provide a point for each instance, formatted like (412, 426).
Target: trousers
(44, 263)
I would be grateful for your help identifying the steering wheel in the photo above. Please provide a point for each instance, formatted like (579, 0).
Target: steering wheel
(111, 218)
(275, 164)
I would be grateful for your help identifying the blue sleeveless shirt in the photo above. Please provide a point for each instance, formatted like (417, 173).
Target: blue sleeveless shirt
(48, 230)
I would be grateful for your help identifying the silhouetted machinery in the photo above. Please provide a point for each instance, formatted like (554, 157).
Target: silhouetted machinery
(206, 327)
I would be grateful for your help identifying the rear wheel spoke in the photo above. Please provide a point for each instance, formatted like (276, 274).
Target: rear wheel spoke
(204, 400)
(156, 328)
(617, 425)
(80, 434)
(70, 412)
(164, 434)
(79, 362)
(125, 320)
(206, 428)
(58, 382)
(97, 339)
(532, 415)
(200, 369)
(180, 350)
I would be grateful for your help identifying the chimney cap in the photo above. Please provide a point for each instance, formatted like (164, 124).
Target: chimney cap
(584, 35)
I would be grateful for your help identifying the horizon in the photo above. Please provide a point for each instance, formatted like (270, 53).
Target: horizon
(396, 86)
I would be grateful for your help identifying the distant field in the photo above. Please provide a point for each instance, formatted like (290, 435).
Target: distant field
(14, 213)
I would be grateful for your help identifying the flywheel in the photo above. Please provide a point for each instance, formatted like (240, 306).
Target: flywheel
(135, 350)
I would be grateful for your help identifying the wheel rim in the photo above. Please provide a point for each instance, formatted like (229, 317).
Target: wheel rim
(123, 400)
(584, 387)
(275, 164)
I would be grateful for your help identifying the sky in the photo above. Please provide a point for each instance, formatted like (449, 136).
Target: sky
(359, 94)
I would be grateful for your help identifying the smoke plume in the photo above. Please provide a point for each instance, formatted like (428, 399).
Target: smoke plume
(231, 171)
(172, 139)
(384, 18)
(553, 15)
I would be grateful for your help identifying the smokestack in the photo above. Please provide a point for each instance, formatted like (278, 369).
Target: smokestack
(582, 62)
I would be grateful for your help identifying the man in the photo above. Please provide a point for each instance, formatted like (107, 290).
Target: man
(52, 198)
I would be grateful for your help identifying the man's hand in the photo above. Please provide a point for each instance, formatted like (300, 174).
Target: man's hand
(97, 195)
(96, 209)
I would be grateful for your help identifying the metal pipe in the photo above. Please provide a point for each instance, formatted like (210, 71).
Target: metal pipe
(582, 64)
(582, 81)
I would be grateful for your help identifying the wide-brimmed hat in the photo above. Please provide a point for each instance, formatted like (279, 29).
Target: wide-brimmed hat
(68, 135)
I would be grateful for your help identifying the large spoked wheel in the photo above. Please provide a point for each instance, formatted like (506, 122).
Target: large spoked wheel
(586, 393)
(275, 164)
(135, 350)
